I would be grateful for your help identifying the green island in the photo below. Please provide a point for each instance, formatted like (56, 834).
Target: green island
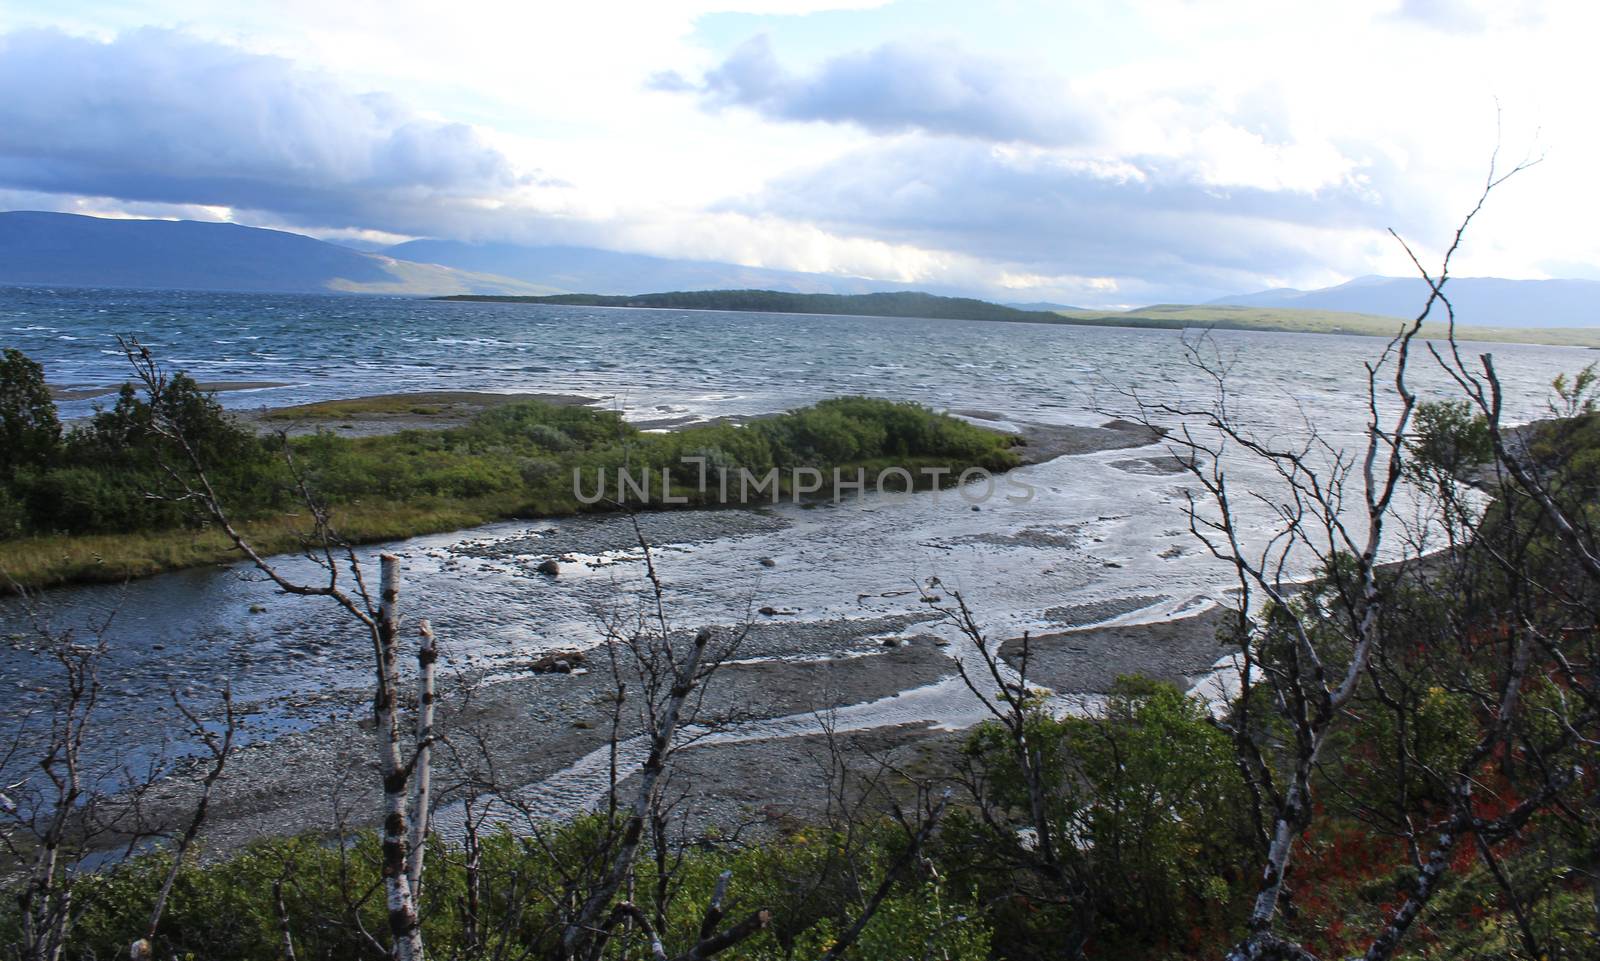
(912, 304)
(104, 500)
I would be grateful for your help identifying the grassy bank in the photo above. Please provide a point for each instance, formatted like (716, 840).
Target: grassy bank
(911, 304)
(81, 510)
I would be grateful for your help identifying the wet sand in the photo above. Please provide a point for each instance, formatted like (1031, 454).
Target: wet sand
(533, 726)
(529, 728)
(1090, 660)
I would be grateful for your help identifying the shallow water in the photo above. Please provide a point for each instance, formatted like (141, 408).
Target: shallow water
(1094, 532)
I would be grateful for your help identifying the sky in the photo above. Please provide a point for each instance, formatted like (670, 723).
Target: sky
(1090, 152)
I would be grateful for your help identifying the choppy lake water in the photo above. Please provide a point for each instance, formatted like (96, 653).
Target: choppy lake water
(1099, 530)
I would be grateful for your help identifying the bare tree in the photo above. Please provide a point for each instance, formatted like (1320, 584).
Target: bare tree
(1011, 703)
(67, 802)
(1383, 623)
(404, 758)
(220, 747)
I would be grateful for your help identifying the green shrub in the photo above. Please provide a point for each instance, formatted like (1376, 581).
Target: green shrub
(1147, 809)
(30, 433)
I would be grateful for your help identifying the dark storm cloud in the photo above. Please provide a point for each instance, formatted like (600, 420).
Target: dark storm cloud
(1148, 223)
(159, 116)
(895, 88)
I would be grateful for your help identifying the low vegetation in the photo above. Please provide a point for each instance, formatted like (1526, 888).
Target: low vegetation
(1161, 316)
(1449, 809)
(101, 502)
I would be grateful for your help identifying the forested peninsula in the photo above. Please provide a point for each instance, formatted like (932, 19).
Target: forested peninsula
(923, 306)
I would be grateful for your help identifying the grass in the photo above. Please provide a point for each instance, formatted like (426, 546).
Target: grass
(1305, 321)
(56, 560)
(519, 458)
(422, 403)
(1161, 316)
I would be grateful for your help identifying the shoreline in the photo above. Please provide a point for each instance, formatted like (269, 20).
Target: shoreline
(42, 562)
(1152, 318)
(893, 675)
(769, 716)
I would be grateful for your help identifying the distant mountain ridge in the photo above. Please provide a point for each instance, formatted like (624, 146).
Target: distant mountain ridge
(71, 250)
(615, 273)
(1479, 301)
(55, 249)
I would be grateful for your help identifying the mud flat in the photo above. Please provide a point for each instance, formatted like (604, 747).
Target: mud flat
(890, 675)
(1045, 442)
(529, 729)
(1089, 660)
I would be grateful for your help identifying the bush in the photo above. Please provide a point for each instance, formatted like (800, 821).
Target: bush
(30, 433)
(1448, 439)
(1147, 808)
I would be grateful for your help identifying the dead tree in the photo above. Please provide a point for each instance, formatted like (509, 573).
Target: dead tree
(220, 748)
(1311, 653)
(50, 812)
(60, 804)
(671, 670)
(597, 904)
(404, 758)
(1040, 853)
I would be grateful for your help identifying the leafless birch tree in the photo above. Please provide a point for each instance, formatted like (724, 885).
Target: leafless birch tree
(404, 757)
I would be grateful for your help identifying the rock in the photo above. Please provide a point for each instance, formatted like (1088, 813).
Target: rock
(558, 662)
(767, 611)
(891, 642)
(976, 507)
(258, 608)
(550, 567)
(768, 562)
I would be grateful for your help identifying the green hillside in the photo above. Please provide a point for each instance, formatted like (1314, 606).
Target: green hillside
(1163, 316)
(1308, 321)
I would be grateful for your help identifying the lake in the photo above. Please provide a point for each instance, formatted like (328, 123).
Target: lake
(1104, 534)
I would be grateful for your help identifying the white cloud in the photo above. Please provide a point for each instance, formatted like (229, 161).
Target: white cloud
(1245, 142)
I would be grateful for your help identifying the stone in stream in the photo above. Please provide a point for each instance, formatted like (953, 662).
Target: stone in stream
(550, 567)
(558, 662)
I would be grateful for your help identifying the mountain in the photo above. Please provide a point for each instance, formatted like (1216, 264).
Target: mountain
(611, 272)
(1481, 301)
(70, 250)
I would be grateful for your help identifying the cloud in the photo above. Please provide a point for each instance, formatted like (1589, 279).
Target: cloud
(894, 88)
(1149, 224)
(158, 116)
(1452, 16)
